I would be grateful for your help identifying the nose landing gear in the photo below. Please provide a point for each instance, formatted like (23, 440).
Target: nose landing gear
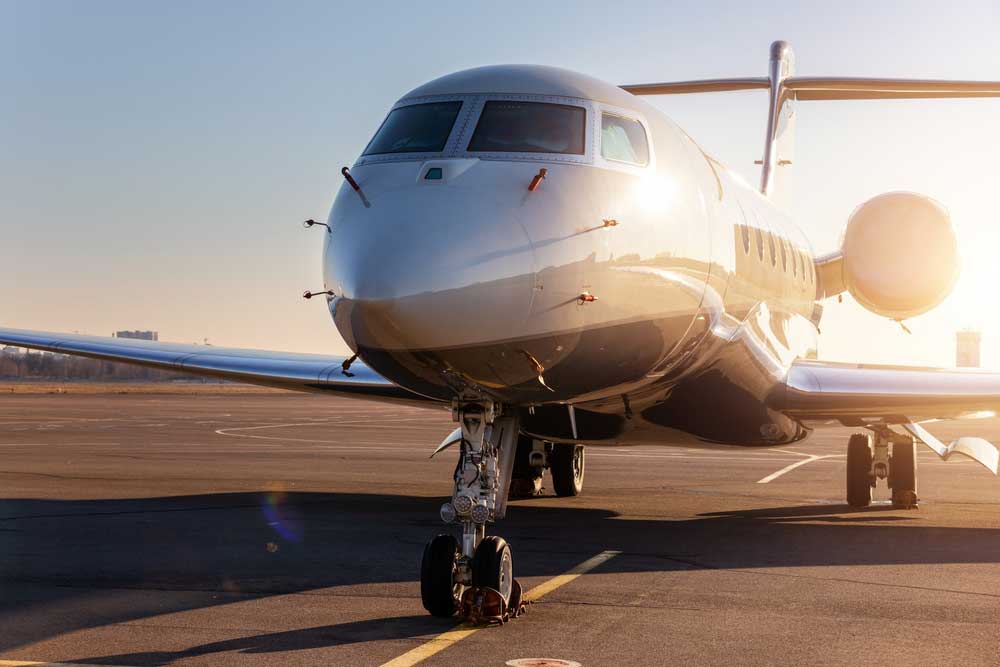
(476, 576)
(869, 460)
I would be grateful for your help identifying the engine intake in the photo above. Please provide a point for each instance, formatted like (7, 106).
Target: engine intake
(900, 255)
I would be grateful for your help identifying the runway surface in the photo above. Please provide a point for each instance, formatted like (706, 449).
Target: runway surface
(288, 529)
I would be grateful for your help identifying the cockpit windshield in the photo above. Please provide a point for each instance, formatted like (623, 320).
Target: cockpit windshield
(418, 128)
(530, 127)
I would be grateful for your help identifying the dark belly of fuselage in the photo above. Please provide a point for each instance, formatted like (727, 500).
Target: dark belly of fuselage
(631, 383)
(564, 366)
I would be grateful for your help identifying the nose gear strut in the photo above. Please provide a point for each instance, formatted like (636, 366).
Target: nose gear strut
(475, 576)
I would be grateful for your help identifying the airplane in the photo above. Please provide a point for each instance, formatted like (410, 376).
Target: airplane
(562, 266)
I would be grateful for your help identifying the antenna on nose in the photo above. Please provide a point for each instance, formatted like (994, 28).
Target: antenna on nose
(354, 184)
(539, 177)
(308, 295)
(310, 222)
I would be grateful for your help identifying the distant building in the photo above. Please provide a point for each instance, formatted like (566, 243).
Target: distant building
(138, 335)
(967, 348)
(11, 350)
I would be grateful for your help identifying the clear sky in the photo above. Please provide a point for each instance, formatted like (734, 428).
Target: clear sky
(156, 159)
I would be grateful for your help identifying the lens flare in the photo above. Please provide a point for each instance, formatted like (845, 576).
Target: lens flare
(281, 517)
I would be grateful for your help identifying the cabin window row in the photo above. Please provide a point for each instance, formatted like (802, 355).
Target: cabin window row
(773, 248)
(510, 127)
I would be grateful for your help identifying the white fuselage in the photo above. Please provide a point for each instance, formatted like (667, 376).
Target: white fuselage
(470, 283)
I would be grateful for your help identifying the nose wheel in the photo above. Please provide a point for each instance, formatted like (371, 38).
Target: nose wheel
(475, 576)
(439, 586)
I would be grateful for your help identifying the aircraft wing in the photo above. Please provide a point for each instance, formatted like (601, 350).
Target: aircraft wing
(856, 394)
(286, 370)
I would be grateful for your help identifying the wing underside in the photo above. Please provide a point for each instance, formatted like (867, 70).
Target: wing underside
(285, 370)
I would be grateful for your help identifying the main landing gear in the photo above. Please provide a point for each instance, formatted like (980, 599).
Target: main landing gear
(566, 463)
(869, 460)
(476, 576)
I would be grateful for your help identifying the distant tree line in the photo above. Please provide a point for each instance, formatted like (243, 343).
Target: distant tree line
(49, 366)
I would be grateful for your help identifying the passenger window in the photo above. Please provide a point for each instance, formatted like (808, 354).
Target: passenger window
(745, 233)
(760, 243)
(530, 127)
(419, 128)
(623, 140)
(784, 257)
(770, 243)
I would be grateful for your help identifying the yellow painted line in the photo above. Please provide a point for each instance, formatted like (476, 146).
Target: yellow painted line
(586, 566)
(436, 645)
(452, 637)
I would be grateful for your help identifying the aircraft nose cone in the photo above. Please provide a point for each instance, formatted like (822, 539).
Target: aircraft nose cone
(418, 272)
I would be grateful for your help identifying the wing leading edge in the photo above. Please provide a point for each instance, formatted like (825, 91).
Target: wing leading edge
(853, 394)
(285, 370)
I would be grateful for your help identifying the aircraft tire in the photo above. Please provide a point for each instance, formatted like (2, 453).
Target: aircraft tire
(437, 576)
(493, 566)
(903, 475)
(859, 463)
(567, 463)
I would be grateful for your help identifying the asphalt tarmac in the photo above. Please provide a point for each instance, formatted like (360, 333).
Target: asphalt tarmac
(288, 529)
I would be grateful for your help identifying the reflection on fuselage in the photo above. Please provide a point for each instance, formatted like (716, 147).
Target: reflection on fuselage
(634, 292)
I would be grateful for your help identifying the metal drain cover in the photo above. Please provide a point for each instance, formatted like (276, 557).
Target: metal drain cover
(541, 662)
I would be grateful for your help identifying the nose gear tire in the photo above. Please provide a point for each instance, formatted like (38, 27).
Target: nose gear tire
(493, 566)
(438, 589)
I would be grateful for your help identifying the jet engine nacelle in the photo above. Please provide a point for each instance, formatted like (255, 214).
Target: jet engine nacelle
(900, 254)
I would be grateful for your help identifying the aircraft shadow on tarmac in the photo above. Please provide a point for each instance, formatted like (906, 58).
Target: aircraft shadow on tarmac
(58, 557)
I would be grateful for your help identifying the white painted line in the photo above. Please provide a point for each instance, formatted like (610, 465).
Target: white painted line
(775, 475)
(452, 637)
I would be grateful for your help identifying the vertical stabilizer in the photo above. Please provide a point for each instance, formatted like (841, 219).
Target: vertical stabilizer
(780, 139)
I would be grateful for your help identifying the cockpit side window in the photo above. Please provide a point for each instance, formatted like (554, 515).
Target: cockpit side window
(623, 140)
(418, 128)
(530, 127)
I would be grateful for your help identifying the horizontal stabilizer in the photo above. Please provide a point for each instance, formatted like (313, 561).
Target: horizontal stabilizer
(824, 88)
(977, 449)
(702, 86)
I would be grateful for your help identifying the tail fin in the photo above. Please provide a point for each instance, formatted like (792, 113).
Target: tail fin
(779, 142)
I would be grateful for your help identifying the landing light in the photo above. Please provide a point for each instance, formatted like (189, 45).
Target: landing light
(463, 504)
(480, 514)
(448, 512)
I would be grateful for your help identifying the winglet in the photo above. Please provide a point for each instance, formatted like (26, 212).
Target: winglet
(982, 451)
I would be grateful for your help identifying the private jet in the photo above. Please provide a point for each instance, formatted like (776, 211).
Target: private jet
(551, 258)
